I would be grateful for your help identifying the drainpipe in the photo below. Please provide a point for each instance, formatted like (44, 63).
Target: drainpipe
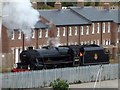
(101, 34)
(36, 38)
(67, 36)
(79, 34)
(23, 41)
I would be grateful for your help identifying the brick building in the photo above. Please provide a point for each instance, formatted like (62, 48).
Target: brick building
(74, 25)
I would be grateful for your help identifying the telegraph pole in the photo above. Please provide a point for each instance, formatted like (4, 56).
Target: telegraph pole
(0, 34)
(0, 42)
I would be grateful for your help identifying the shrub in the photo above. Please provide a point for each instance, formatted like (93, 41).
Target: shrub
(60, 85)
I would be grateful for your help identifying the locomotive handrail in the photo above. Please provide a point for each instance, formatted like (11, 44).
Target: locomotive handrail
(92, 48)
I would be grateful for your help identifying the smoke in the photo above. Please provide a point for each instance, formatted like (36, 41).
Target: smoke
(20, 15)
(54, 42)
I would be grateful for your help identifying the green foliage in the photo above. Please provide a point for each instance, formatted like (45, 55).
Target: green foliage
(45, 7)
(60, 85)
(67, 4)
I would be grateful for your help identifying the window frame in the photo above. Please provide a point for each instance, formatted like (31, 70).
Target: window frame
(70, 31)
(13, 35)
(93, 28)
(40, 33)
(46, 33)
(82, 30)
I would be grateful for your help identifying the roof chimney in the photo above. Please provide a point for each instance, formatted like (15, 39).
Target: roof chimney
(80, 3)
(58, 4)
(34, 5)
(106, 6)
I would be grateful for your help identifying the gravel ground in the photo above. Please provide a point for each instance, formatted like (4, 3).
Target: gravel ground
(103, 85)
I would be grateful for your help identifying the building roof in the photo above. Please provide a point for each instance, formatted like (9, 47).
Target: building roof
(63, 17)
(95, 15)
(41, 25)
(114, 14)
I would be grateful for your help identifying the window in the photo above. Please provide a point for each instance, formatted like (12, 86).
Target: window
(64, 31)
(20, 34)
(103, 27)
(98, 42)
(85, 42)
(33, 33)
(91, 42)
(119, 28)
(58, 32)
(40, 46)
(93, 28)
(40, 34)
(106, 42)
(69, 43)
(13, 36)
(82, 30)
(108, 27)
(70, 31)
(81, 43)
(76, 43)
(103, 42)
(118, 41)
(46, 33)
(98, 27)
(76, 31)
(88, 42)
(87, 30)
(33, 47)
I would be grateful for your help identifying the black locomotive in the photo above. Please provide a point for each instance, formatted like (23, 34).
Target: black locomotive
(63, 56)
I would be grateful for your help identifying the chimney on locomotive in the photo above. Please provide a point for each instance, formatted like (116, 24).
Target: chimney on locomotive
(30, 48)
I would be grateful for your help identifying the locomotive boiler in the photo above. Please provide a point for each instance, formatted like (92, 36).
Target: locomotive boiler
(62, 56)
(45, 58)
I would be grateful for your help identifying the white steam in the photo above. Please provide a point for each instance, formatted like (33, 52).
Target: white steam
(53, 42)
(20, 15)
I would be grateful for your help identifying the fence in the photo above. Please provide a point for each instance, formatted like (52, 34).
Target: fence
(35, 79)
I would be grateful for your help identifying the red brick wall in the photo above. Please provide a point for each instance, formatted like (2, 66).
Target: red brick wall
(71, 39)
(5, 40)
(114, 29)
(63, 39)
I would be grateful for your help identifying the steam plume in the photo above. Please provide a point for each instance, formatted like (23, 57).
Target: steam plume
(53, 41)
(20, 15)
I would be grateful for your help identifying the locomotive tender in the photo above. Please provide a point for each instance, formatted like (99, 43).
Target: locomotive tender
(62, 56)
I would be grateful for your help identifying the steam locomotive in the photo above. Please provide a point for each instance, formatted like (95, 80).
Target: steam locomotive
(62, 56)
